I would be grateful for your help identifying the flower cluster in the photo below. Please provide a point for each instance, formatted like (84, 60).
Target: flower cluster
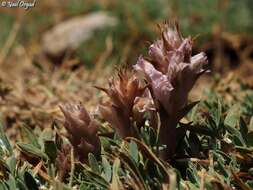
(170, 72)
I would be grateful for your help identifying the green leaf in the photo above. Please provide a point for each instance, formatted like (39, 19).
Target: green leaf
(5, 140)
(95, 178)
(217, 112)
(244, 149)
(21, 185)
(193, 114)
(30, 149)
(250, 183)
(11, 162)
(85, 186)
(133, 151)
(221, 167)
(3, 186)
(145, 150)
(50, 150)
(214, 129)
(58, 141)
(192, 175)
(192, 186)
(233, 116)
(250, 171)
(243, 129)
(251, 124)
(30, 181)
(116, 184)
(107, 169)
(32, 139)
(11, 182)
(1, 152)
(237, 137)
(250, 139)
(4, 169)
(194, 144)
(93, 163)
(186, 109)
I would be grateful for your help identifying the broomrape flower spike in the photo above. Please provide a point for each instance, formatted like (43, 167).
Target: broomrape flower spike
(126, 93)
(170, 68)
(172, 72)
(82, 130)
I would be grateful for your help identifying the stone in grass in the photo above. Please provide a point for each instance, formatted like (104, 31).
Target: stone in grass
(69, 34)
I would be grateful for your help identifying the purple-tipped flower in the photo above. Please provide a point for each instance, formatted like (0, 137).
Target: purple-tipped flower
(82, 130)
(171, 70)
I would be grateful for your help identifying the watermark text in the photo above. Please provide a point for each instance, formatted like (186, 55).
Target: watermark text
(25, 4)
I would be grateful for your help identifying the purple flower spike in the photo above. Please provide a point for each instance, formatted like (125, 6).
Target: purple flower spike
(171, 70)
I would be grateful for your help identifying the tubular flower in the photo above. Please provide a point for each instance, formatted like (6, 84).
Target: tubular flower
(171, 70)
(124, 92)
(82, 130)
(145, 105)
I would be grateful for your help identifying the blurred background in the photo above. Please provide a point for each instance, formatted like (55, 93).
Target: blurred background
(57, 50)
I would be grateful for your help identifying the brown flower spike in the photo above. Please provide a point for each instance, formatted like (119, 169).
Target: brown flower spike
(126, 93)
(82, 130)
